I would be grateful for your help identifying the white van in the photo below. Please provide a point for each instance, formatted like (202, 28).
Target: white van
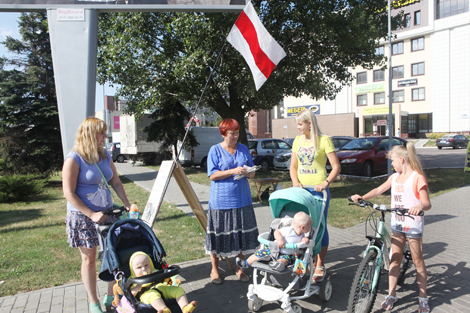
(207, 137)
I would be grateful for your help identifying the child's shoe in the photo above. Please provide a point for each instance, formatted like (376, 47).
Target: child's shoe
(95, 308)
(188, 308)
(241, 263)
(423, 305)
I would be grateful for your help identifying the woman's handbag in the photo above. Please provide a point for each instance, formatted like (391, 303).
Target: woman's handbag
(115, 205)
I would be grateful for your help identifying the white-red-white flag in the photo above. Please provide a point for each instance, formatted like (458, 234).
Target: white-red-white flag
(257, 46)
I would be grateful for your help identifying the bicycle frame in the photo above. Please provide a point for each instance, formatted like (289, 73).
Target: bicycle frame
(380, 243)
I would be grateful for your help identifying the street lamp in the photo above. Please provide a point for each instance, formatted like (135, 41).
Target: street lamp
(390, 108)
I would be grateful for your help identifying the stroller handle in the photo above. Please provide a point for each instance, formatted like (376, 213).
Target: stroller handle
(156, 277)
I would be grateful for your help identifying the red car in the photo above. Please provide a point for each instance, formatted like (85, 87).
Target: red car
(364, 156)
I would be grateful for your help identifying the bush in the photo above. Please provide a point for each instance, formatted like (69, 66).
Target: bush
(20, 187)
(436, 135)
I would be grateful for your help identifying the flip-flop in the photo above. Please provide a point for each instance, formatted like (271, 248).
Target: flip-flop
(243, 277)
(389, 302)
(216, 281)
(319, 277)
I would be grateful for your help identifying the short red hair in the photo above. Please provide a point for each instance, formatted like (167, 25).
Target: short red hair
(228, 124)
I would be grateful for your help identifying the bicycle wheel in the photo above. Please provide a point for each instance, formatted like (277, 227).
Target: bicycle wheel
(362, 297)
(405, 265)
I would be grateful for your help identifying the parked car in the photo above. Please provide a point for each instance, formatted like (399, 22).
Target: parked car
(454, 141)
(263, 151)
(364, 156)
(282, 160)
(115, 150)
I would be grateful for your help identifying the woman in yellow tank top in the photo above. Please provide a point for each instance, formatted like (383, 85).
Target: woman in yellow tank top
(310, 151)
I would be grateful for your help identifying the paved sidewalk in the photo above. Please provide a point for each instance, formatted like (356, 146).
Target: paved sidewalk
(446, 250)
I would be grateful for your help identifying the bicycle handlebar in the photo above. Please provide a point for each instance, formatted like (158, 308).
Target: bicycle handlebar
(383, 208)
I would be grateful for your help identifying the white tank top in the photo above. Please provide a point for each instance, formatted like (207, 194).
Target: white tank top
(403, 196)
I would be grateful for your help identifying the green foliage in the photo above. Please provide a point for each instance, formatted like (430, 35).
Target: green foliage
(29, 124)
(20, 187)
(153, 54)
(436, 135)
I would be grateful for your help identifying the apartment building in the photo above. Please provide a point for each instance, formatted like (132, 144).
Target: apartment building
(430, 76)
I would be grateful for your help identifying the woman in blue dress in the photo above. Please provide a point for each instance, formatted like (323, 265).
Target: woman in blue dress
(231, 225)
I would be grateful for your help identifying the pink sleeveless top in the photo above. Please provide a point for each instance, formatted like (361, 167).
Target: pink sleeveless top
(404, 195)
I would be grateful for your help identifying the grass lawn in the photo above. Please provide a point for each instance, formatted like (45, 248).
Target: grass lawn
(430, 143)
(34, 251)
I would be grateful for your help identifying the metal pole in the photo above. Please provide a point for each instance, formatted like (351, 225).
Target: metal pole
(390, 92)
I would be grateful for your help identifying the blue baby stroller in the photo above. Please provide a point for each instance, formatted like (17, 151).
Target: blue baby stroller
(123, 239)
(275, 285)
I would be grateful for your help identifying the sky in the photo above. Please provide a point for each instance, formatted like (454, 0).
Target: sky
(9, 27)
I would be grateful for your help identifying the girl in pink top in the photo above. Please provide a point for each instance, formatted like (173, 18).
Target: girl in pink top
(409, 190)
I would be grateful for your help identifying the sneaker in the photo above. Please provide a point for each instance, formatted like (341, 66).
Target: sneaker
(241, 263)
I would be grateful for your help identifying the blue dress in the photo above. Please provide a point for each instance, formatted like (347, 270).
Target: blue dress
(231, 225)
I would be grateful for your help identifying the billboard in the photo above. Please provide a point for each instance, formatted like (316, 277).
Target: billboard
(126, 5)
(293, 111)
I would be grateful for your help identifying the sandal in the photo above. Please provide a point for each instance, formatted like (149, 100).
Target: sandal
(389, 302)
(243, 277)
(319, 277)
(423, 305)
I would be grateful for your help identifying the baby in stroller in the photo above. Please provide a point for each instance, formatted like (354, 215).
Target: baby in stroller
(295, 233)
(155, 293)
(133, 256)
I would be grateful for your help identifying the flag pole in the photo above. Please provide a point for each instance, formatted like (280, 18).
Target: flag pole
(199, 101)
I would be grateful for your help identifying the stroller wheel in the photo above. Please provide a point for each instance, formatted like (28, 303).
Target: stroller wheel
(296, 308)
(255, 305)
(326, 289)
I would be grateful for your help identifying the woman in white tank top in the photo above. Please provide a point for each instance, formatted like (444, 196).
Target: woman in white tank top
(410, 191)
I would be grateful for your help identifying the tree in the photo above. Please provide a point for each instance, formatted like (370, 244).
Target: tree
(160, 53)
(168, 126)
(29, 123)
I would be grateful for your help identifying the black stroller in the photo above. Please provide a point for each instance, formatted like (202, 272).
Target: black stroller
(123, 239)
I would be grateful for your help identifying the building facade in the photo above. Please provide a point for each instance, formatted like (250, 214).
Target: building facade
(430, 67)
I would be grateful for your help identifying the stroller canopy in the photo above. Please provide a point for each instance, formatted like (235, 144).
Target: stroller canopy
(297, 199)
(124, 238)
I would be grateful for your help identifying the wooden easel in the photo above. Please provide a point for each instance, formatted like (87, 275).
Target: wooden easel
(159, 188)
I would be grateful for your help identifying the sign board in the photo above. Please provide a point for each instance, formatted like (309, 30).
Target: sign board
(126, 5)
(382, 123)
(408, 82)
(293, 111)
(168, 168)
(367, 88)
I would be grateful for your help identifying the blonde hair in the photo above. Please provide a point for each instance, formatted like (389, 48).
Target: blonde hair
(307, 116)
(301, 219)
(408, 152)
(85, 140)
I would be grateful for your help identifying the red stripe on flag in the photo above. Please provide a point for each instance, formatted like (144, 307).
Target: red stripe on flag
(248, 30)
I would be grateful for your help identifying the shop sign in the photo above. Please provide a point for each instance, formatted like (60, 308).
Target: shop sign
(407, 82)
(382, 123)
(367, 88)
(293, 111)
(377, 110)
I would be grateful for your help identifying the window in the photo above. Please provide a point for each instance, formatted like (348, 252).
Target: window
(417, 94)
(379, 98)
(398, 96)
(425, 123)
(283, 145)
(362, 78)
(379, 75)
(445, 8)
(417, 44)
(362, 100)
(398, 72)
(417, 69)
(417, 17)
(397, 48)
(379, 50)
(407, 20)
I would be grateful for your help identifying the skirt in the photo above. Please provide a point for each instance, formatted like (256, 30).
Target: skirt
(231, 232)
(81, 230)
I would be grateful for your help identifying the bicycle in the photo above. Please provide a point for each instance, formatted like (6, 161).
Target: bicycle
(375, 257)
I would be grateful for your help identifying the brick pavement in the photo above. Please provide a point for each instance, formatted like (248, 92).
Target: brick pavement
(446, 254)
